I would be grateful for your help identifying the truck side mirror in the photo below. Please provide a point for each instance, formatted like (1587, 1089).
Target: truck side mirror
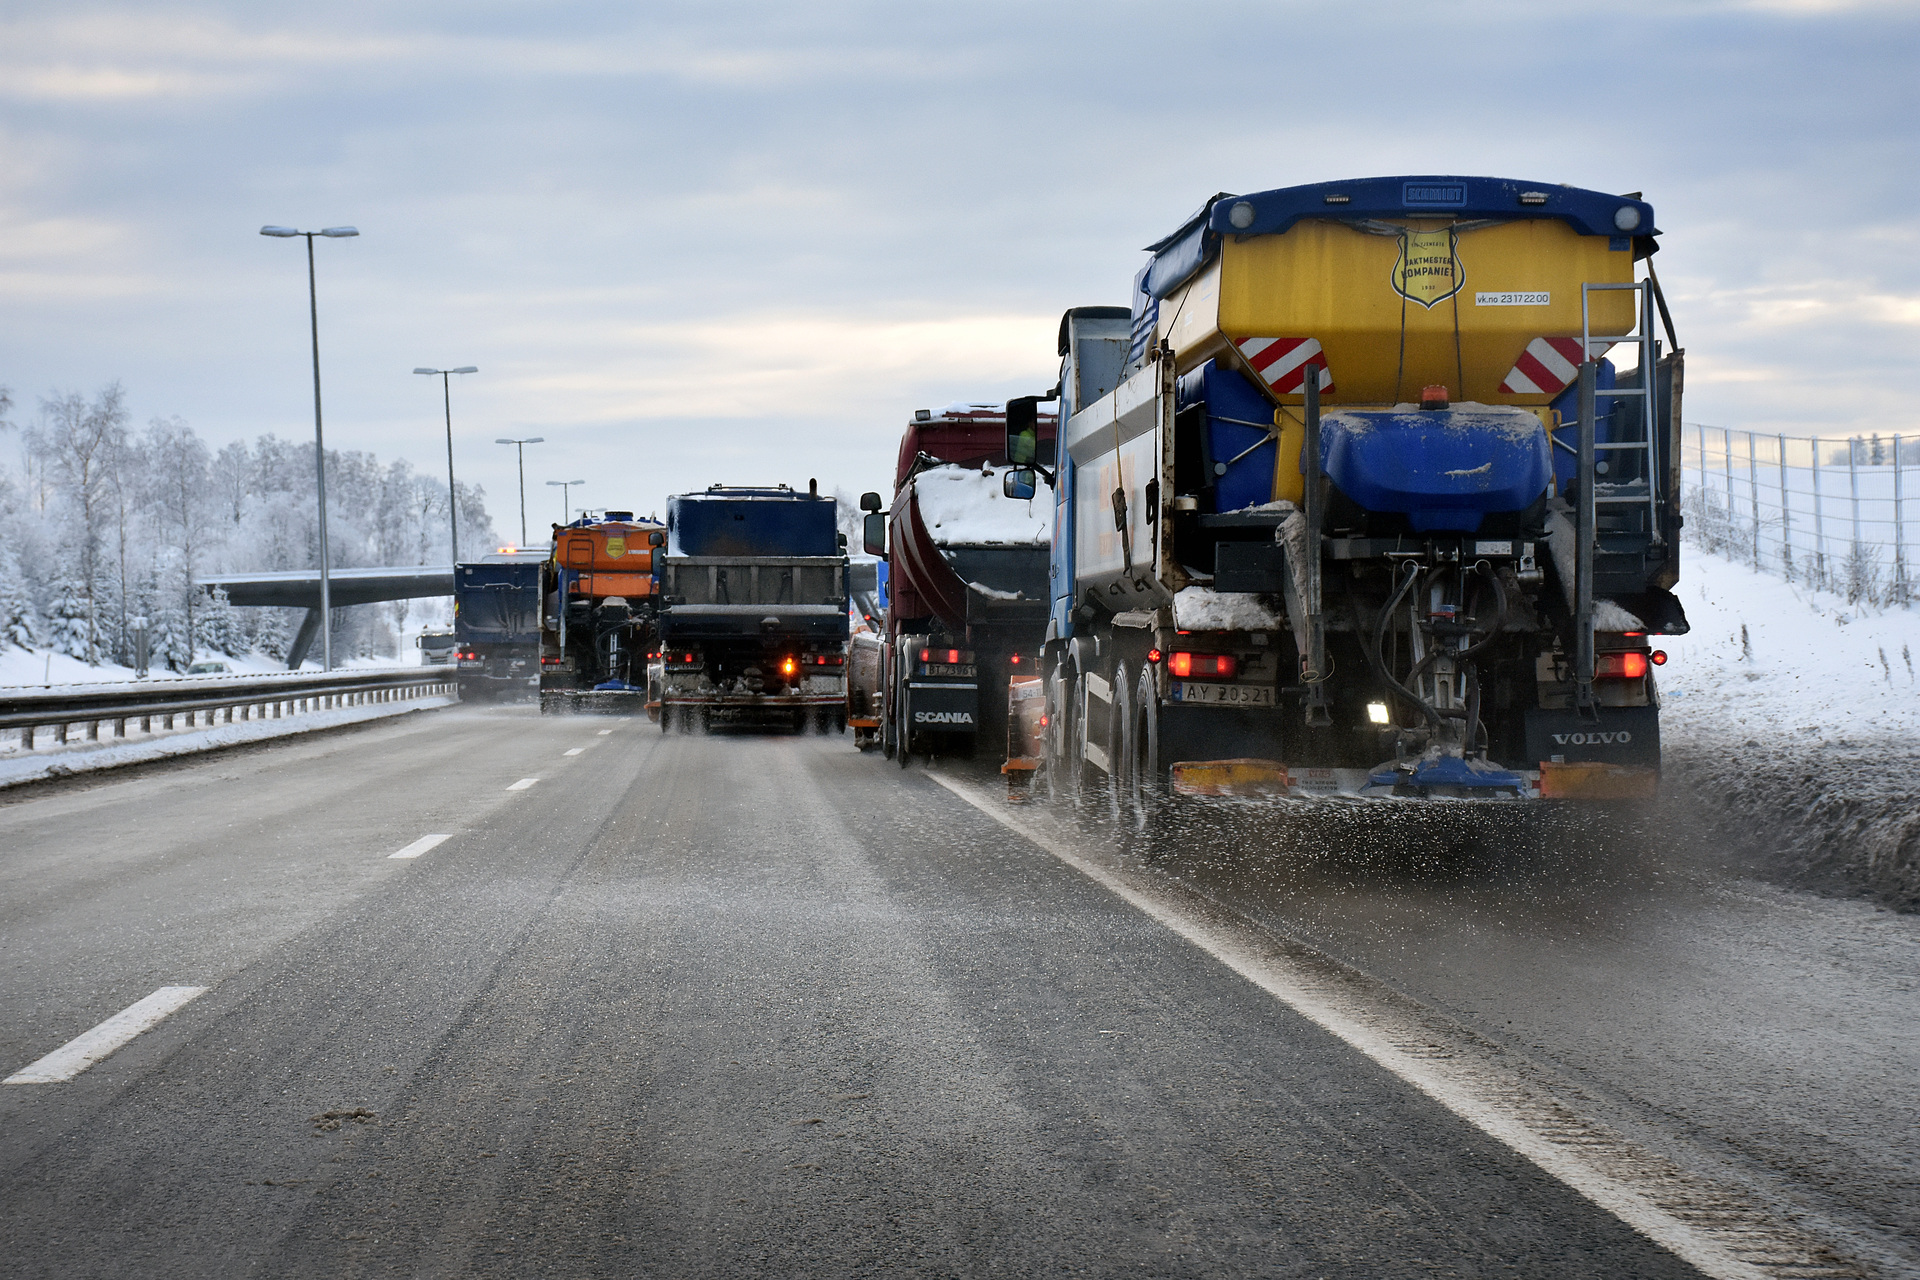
(1023, 431)
(656, 538)
(1022, 484)
(873, 534)
(870, 502)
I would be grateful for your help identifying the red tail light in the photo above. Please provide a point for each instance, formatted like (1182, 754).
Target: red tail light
(926, 655)
(1223, 666)
(789, 666)
(1659, 657)
(1154, 655)
(1620, 666)
(1014, 659)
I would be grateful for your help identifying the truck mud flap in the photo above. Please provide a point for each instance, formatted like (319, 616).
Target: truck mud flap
(1620, 736)
(943, 708)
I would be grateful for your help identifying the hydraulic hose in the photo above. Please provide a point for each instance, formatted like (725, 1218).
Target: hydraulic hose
(1492, 576)
(1376, 661)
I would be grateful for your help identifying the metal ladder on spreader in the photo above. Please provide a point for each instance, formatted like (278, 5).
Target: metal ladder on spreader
(1643, 493)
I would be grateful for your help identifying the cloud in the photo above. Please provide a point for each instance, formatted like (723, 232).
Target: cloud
(702, 242)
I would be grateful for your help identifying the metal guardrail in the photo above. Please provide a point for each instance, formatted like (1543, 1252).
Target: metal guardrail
(204, 703)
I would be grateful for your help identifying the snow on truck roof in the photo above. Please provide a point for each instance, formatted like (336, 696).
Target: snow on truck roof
(970, 411)
(967, 432)
(964, 507)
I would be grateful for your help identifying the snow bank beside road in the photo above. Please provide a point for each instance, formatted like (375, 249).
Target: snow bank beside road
(36, 766)
(43, 668)
(1791, 725)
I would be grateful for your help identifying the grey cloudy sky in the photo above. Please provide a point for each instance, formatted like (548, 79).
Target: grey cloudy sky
(740, 242)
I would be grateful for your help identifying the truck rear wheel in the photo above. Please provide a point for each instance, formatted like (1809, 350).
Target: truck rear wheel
(903, 736)
(1119, 783)
(1145, 784)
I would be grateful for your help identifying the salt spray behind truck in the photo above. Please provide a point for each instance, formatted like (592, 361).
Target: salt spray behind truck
(754, 614)
(1373, 491)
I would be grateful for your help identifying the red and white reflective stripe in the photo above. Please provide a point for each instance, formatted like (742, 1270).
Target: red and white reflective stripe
(1547, 367)
(1282, 362)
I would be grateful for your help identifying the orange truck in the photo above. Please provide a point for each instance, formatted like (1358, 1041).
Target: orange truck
(598, 617)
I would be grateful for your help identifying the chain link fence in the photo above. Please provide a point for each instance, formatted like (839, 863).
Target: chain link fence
(1833, 514)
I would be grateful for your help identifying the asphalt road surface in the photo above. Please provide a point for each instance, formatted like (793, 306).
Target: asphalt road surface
(729, 1006)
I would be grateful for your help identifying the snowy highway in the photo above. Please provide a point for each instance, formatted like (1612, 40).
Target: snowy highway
(477, 992)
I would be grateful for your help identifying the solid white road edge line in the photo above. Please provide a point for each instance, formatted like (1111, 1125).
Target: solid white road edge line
(1717, 1229)
(523, 784)
(421, 845)
(81, 1052)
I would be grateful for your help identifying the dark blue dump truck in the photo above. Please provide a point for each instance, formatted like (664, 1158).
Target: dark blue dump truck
(496, 626)
(753, 594)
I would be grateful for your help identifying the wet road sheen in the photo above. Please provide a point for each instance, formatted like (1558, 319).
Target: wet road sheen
(680, 1006)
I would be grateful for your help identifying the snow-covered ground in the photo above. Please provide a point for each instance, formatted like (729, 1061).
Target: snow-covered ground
(1767, 656)
(17, 766)
(38, 668)
(1796, 745)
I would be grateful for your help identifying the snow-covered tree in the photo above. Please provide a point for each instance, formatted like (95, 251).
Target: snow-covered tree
(98, 526)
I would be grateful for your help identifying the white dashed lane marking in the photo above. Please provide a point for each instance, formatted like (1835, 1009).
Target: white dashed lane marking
(81, 1052)
(420, 846)
(523, 784)
(575, 751)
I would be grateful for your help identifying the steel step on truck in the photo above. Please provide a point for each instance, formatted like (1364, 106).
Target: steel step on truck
(754, 610)
(598, 619)
(1371, 491)
(967, 580)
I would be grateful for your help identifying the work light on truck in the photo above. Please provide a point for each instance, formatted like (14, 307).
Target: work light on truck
(1221, 666)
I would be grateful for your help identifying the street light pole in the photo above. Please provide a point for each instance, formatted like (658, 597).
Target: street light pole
(565, 486)
(520, 447)
(319, 440)
(453, 495)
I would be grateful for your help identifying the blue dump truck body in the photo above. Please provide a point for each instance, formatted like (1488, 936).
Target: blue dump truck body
(496, 624)
(1371, 490)
(753, 597)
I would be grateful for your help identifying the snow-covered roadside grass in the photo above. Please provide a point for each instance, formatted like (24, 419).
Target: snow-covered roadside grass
(36, 766)
(1791, 727)
(42, 668)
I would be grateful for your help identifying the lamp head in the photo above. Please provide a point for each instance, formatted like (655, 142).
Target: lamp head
(426, 371)
(466, 368)
(339, 233)
(278, 231)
